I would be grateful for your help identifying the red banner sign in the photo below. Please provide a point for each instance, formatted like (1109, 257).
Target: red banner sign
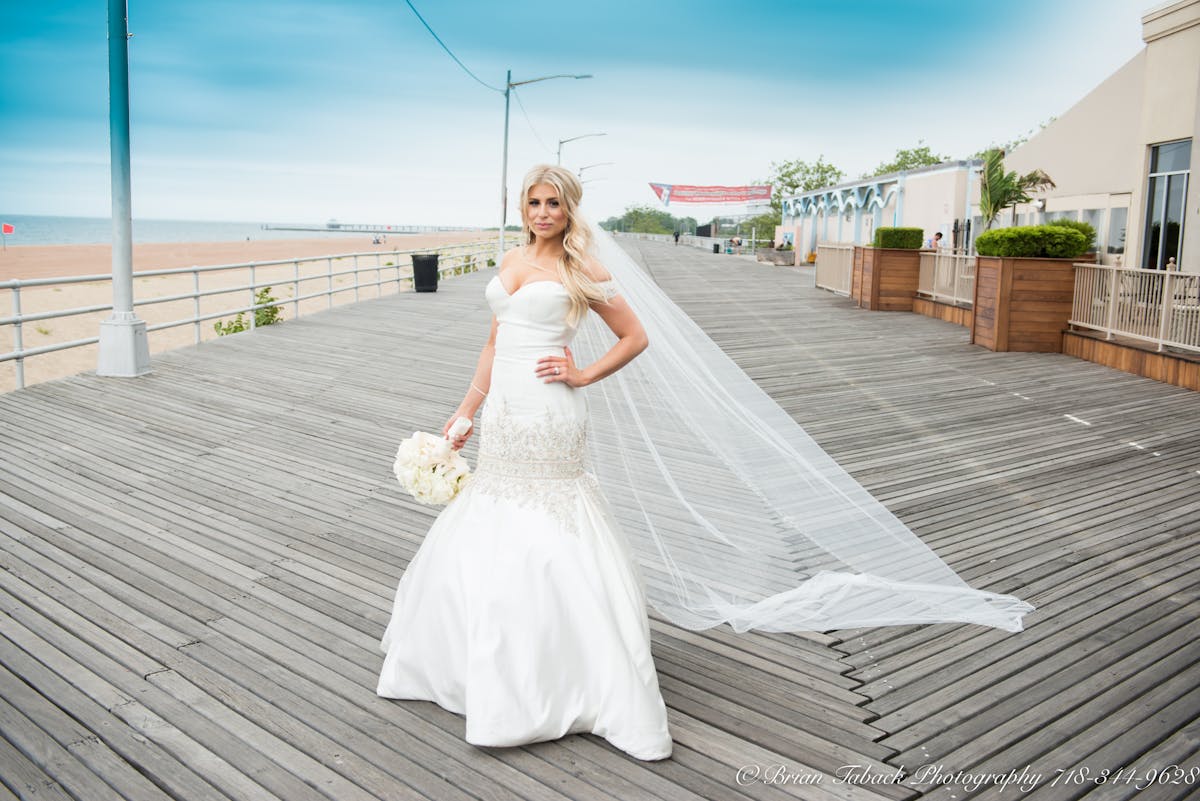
(6, 228)
(682, 193)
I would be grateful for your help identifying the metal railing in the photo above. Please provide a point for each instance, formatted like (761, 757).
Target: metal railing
(1157, 306)
(384, 268)
(948, 275)
(724, 244)
(705, 243)
(835, 266)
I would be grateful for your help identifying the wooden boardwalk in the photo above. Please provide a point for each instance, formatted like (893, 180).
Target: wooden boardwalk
(198, 565)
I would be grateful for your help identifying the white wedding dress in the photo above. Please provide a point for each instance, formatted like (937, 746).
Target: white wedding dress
(523, 609)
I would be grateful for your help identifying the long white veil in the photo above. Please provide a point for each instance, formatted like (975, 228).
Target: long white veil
(734, 513)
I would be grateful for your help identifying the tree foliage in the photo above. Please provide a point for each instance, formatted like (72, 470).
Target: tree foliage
(793, 177)
(999, 190)
(762, 226)
(909, 159)
(648, 220)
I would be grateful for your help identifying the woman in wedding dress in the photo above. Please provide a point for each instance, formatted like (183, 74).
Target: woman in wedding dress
(523, 609)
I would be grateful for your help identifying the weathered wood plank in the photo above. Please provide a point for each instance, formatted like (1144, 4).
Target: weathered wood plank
(226, 530)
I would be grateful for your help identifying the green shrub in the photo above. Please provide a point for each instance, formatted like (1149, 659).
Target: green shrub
(1082, 227)
(1033, 241)
(265, 316)
(1065, 243)
(905, 238)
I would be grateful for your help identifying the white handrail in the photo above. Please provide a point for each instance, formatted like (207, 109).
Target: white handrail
(948, 275)
(456, 259)
(1161, 307)
(725, 244)
(835, 265)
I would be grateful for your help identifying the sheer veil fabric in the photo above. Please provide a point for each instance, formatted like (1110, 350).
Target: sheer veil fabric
(734, 513)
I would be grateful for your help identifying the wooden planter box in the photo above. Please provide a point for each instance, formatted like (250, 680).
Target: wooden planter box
(856, 267)
(885, 279)
(1022, 304)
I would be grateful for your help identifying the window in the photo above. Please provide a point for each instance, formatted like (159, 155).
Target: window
(1116, 229)
(1170, 166)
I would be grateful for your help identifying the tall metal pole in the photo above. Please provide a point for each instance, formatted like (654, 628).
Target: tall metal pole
(504, 170)
(124, 350)
(508, 87)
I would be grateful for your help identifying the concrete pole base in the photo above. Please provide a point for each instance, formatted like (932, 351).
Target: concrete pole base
(124, 349)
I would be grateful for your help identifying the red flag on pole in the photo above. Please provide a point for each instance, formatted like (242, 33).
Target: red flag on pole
(6, 228)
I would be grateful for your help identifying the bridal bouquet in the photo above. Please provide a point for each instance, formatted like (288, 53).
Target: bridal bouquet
(429, 468)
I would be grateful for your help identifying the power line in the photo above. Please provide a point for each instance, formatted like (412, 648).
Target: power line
(545, 147)
(448, 51)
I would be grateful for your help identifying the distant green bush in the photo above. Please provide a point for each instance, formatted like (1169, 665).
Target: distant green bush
(906, 238)
(1048, 241)
(1082, 227)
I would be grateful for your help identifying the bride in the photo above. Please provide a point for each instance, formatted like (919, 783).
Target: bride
(524, 609)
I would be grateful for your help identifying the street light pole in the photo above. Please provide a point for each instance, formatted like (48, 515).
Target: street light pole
(562, 142)
(124, 350)
(597, 164)
(509, 85)
(504, 171)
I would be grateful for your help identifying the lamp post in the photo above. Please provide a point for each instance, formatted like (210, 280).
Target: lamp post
(509, 85)
(597, 164)
(562, 142)
(124, 351)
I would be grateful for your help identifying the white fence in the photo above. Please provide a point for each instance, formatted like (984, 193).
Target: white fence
(948, 275)
(379, 269)
(835, 265)
(723, 244)
(1157, 306)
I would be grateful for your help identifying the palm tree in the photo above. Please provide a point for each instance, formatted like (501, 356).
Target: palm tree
(998, 190)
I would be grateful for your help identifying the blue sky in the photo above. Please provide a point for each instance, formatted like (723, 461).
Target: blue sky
(274, 110)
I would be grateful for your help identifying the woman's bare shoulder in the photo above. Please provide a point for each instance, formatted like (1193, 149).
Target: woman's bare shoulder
(596, 272)
(510, 257)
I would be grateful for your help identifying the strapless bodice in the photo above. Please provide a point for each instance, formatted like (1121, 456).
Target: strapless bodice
(532, 320)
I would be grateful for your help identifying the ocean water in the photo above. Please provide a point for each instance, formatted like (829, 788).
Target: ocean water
(37, 230)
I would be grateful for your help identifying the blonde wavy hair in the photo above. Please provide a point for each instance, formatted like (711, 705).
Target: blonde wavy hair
(577, 237)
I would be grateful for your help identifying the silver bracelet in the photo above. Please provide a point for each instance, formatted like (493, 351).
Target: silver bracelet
(477, 389)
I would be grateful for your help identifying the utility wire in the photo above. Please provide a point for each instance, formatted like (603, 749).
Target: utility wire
(448, 51)
(545, 146)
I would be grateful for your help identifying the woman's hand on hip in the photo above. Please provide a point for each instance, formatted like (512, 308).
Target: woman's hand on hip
(561, 368)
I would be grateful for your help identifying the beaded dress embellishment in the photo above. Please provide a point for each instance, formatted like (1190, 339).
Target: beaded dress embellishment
(534, 461)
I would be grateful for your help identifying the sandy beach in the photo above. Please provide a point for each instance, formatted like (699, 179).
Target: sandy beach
(55, 261)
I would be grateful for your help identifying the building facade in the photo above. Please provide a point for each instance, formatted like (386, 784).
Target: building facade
(1120, 159)
(934, 199)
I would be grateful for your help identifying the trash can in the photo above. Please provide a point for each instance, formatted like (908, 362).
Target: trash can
(425, 272)
(716, 247)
